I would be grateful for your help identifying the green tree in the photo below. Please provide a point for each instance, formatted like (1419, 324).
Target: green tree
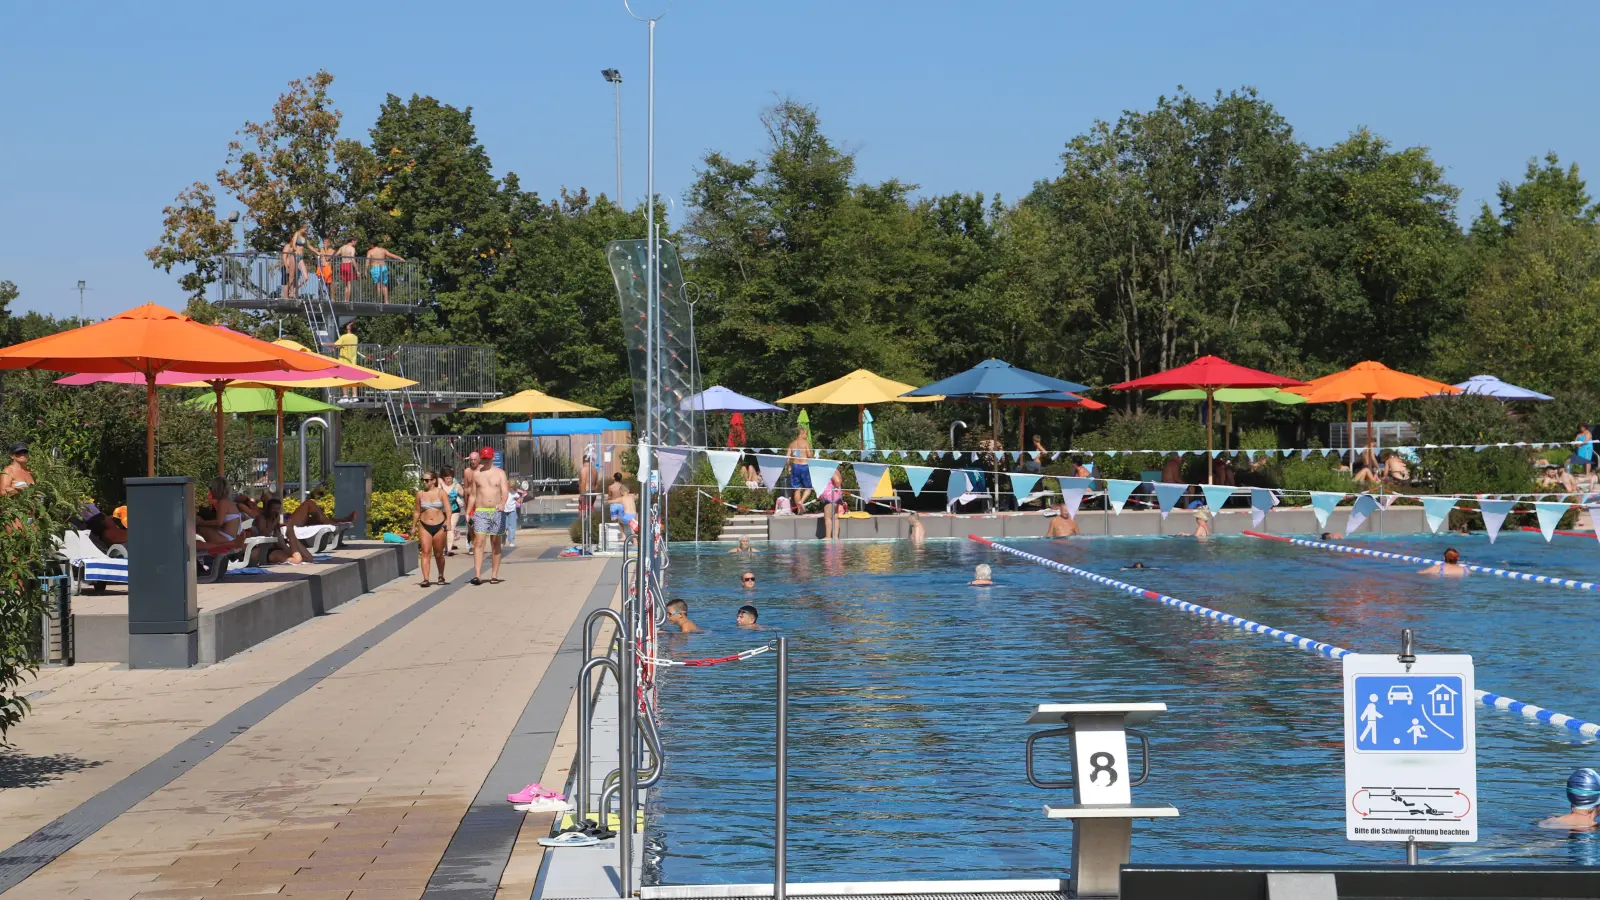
(1546, 190)
(1531, 316)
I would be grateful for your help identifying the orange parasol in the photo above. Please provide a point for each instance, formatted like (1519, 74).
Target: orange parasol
(1372, 381)
(150, 340)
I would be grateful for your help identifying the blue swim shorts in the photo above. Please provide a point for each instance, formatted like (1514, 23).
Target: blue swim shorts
(800, 476)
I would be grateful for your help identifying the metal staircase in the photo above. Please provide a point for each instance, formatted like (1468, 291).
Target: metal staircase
(401, 408)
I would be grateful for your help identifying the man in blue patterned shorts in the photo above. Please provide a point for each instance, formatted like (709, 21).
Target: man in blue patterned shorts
(489, 492)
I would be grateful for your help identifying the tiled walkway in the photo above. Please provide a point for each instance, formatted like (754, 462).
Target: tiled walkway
(351, 790)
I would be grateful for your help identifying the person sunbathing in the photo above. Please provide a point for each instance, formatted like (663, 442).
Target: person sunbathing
(288, 549)
(309, 512)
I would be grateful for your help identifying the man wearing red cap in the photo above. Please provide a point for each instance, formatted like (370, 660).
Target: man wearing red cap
(489, 491)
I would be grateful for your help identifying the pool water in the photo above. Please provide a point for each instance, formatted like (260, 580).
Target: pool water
(909, 690)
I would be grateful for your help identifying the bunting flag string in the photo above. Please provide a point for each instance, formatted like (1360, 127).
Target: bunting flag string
(1250, 453)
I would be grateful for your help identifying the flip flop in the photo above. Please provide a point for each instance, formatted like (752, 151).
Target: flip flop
(543, 804)
(476, 581)
(494, 581)
(426, 584)
(569, 839)
(441, 580)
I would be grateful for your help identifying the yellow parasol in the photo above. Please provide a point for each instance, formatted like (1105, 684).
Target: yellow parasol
(860, 389)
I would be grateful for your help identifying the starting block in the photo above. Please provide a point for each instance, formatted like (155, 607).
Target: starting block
(1102, 831)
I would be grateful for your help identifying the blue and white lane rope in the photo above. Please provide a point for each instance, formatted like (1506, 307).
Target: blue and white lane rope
(1380, 554)
(1527, 710)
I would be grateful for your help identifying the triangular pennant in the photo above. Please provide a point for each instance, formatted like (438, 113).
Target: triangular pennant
(956, 488)
(670, 462)
(1168, 495)
(1437, 511)
(1387, 500)
(1594, 516)
(1016, 455)
(1216, 453)
(869, 477)
(1118, 491)
(1306, 453)
(1549, 517)
(1365, 506)
(822, 472)
(1326, 450)
(1216, 495)
(1075, 483)
(1322, 504)
(918, 476)
(771, 469)
(1022, 486)
(723, 463)
(1070, 499)
(925, 454)
(1479, 448)
(1261, 500)
(1494, 515)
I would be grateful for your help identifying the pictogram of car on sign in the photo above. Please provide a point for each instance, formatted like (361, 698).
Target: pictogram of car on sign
(1400, 692)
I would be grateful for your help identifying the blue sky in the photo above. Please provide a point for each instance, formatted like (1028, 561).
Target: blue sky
(111, 108)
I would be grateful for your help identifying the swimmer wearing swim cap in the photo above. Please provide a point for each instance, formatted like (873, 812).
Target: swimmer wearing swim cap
(1583, 794)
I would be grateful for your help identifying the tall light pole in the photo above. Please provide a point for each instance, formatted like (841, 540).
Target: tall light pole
(82, 286)
(615, 77)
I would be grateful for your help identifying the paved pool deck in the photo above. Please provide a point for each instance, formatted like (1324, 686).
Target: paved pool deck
(361, 755)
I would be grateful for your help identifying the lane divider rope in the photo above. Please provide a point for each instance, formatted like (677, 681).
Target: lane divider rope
(1402, 557)
(1329, 651)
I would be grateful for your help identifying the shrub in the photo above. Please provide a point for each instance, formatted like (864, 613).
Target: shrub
(1314, 473)
(1471, 420)
(391, 511)
(1144, 430)
(36, 516)
(683, 516)
(1558, 419)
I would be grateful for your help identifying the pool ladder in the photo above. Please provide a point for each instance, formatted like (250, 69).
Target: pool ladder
(642, 766)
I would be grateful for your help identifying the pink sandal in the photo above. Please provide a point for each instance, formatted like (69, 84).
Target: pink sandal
(534, 792)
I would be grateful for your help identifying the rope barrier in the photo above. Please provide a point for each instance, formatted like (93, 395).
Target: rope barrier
(1527, 710)
(1586, 535)
(1402, 557)
(709, 661)
(1214, 453)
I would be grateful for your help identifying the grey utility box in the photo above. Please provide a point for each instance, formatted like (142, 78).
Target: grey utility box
(352, 493)
(163, 611)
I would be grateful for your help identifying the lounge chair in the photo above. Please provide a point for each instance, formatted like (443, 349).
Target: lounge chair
(87, 564)
(212, 566)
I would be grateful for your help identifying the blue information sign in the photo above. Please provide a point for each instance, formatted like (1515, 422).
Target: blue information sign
(1410, 714)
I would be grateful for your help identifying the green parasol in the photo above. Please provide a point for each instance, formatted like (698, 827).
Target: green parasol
(248, 401)
(1230, 396)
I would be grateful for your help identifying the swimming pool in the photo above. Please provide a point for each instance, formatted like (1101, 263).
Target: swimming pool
(909, 690)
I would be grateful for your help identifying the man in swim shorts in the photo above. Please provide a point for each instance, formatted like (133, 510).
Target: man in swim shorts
(619, 501)
(378, 268)
(800, 470)
(1061, 525)
(489, 492)
(347, 266)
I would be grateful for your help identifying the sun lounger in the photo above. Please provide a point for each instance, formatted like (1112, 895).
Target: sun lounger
(87, 564)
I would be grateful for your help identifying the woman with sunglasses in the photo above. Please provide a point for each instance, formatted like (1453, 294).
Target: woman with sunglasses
(428, 522)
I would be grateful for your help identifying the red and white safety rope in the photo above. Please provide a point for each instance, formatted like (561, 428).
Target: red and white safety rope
(709, 661)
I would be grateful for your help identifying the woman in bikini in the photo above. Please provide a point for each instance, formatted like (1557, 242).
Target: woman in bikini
(428, 521)
(16, 475)
(294, 263)
(228, 522)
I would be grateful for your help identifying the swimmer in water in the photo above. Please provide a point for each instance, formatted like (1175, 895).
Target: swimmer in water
(980, 576)
(1450, 568)
(1332, 536)
(1061, 525)
(744, 547)
(746, 617)
(1202, 523)
(1137, 564)
(678, 614)
(1583, 793)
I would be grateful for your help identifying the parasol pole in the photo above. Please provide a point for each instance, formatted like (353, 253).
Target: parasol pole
(861, 425)
(1227, 430)
(278, 393)
(1211, 461)
(1350, 433)
(152, 419)
(1022, 427)
(217, 386)
(994, 427)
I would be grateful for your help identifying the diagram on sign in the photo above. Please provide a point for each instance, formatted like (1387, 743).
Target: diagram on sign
(1409, 714)
(1399, 804)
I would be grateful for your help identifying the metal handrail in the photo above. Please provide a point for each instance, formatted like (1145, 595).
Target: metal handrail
(585, 714)
(268, 278)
